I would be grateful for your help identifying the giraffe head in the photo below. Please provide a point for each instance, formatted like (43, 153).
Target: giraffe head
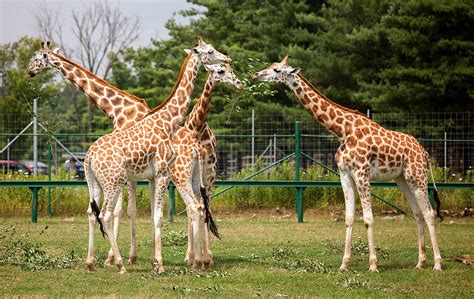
(41, 60)
(280, 72)
(223, 74)
(207, 54)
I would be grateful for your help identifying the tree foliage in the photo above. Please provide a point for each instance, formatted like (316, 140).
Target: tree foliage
(379, 54)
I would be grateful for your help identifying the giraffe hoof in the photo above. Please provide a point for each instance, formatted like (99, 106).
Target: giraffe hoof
(207, 265)
(122, 270)
(197, 265)
(132, 260)
(161, 269)
(90, 268)
(343, 268)
(109, 263)
(420, 266)
(189, 260)
(437, 268)
(373, 269)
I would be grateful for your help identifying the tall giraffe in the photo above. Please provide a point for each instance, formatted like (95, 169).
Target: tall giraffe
(196, 143)
(121, 107)
(144, 151)
(367, 151)
(46, 58)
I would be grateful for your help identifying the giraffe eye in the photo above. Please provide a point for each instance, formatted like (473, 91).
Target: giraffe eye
(211, 51)
(220, 72)
(277, 70)
(44, 56)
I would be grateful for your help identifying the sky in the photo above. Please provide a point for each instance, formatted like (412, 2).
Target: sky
(17, 16)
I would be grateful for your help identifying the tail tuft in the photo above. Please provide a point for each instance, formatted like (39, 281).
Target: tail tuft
(438, 205)
(209, 221)
(96, 211)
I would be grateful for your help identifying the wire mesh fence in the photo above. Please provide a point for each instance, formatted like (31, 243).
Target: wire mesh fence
(246, 139)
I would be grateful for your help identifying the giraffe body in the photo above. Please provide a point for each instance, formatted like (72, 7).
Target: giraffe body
(144, 151)
(367, 151)
(121, 107)
(195, 146)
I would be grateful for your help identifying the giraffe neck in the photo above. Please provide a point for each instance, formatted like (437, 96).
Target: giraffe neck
(333, 117)
(174, 108)
(198, 116)
(123, 108)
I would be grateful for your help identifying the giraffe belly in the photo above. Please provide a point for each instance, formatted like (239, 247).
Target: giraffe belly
(146, 174)
(378, 173)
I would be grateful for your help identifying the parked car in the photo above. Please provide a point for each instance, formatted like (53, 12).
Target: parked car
(42, 167)
(12, 167)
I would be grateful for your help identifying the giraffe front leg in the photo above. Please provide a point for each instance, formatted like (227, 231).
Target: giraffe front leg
(363, 187)
(116, 223)
(132, 214)
(160, 189)
(349, 198)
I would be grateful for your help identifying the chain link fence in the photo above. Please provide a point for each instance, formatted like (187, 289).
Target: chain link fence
(246, 139)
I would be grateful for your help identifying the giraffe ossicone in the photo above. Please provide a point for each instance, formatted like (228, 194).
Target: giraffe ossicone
(367, 151)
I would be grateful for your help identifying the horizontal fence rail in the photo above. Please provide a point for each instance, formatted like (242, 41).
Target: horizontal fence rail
(35, 186)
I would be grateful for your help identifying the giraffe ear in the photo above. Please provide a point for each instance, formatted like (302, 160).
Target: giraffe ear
(56, 51)
(295, 71)
(187, 51)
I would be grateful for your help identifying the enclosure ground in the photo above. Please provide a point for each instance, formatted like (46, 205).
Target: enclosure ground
(260, 255)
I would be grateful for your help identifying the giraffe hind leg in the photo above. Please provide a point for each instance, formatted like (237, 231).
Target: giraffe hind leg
(420, 192)
(110, 201)
(118, 211)
(420, 222)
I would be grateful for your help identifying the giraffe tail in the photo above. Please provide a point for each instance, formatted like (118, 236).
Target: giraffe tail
(96, 211)
(209, 221)
(435, 193)
(92, 182)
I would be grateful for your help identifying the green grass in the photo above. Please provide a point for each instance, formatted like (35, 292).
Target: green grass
(264, 255)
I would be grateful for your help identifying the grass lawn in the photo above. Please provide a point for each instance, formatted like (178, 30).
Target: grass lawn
(260, 255)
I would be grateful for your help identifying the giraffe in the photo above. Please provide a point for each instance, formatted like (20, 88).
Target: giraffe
(195, 142)
(46, 58)
(144, 151)
(367, 151)
(121, 107)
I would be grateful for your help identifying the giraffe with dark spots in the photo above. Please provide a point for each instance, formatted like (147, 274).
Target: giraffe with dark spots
(360, 160)
(195, 146)
(136, 159)
(46, 59)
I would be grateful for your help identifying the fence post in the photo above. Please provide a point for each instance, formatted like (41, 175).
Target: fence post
(445, 154)
(253, 139)
(299, 190)
(35, 136)
(8, 157)
(172, 203)
(49, 179)
(34, 204)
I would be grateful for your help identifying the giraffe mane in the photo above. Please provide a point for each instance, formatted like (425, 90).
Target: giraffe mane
(326, 98)
(165, 101)
(100, 80)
